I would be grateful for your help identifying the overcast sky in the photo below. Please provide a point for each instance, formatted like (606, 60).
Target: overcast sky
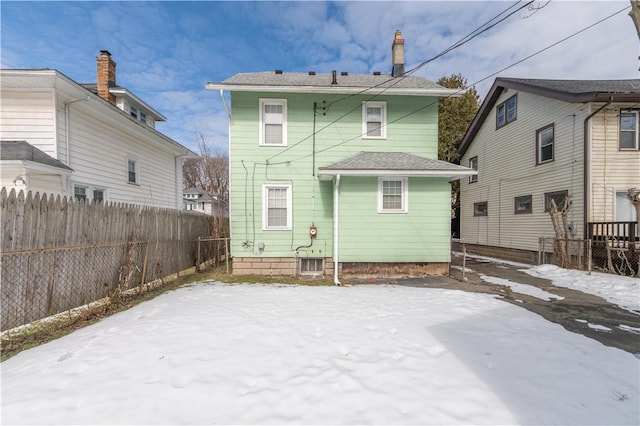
(167, 51)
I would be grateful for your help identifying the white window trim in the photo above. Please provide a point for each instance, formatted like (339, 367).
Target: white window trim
(88, 190)
(405, 193)
(539, 145)
(637, 131)
(83, 186)
(266, 101)
(265, 204)
(383, 128)
(137, 167)
(473, 178)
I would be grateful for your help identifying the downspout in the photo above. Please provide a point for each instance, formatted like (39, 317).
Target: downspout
(179, 195)
(587, 166)
(336, 205)
(229, 183)
(67, 139)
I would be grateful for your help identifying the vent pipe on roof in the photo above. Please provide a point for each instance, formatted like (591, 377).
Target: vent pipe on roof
(397, 55)
(278, 71)
(334, 77)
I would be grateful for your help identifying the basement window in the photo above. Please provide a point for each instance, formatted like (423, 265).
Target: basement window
(311, 266)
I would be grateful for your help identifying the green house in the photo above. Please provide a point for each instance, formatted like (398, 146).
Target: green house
(338, 169)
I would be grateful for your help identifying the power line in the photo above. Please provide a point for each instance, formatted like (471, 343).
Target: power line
(463, 89)
(473, 34)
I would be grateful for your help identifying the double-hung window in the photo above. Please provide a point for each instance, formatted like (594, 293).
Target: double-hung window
(276, 206)
(629, 130)
(473, 164)
(273, 122)
(374, 120)
(132, 171)
(507, 111)
(544, 144)
(392, 195)
(80, 192)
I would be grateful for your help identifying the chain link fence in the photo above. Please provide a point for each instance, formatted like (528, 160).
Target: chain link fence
(39, 283)
(615, 256)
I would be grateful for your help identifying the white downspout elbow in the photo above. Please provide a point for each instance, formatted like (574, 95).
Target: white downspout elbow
(336, 208)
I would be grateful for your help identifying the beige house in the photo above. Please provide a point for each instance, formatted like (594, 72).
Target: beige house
(537, 140)
(92, 141)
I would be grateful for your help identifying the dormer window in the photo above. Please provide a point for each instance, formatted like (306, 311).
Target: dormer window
(134, 112)
(143, 117)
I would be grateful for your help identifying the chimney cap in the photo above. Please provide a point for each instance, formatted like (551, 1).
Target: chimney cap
(105, 52)
(397, 39)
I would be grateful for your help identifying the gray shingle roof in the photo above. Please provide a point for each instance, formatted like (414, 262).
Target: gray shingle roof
(582, 86)
(21, 150)
(571, 91)
(325, 80)
(399, 162)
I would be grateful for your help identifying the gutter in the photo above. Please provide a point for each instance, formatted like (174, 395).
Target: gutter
(587, 164)
(336, 206)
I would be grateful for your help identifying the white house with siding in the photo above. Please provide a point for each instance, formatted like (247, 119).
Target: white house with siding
(533, 140)
(93, 141)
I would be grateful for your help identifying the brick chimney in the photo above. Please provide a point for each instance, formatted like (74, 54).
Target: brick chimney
(106, 75)
(397, 55)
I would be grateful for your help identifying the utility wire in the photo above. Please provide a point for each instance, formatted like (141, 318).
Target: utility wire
(463, 89)
(473, 34)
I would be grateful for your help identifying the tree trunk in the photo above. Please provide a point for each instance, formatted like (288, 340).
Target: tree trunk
(635, 15)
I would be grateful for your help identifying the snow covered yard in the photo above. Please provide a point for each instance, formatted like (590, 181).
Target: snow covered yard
(273, 354)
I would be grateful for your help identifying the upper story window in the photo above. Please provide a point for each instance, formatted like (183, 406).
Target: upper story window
(143, 117)
(544, 144)
(276, 207)
(132, 168)
(392, 195)
(473, 164)
(374, 120)
(629, 130)
(134, 112)
(273, 122)
(507, 111)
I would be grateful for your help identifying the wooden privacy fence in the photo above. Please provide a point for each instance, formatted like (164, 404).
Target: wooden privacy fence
(59, 253)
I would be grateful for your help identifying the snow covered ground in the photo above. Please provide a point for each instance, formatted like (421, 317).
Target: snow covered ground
(277, 354)
(622, 291)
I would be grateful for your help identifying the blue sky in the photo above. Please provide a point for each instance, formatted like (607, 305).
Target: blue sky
(167, 51)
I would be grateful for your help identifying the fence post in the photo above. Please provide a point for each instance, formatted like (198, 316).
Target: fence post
(226, 253)
(198, 257)
(589, 254)
(464, 259)
(539, 250)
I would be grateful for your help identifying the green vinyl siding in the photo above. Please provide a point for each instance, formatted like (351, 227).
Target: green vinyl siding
(422, 234)
(338, 129)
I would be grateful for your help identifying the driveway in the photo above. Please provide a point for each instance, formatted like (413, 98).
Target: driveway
(578, 312)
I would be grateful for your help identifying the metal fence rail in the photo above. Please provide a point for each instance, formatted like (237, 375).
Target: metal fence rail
(42, 282)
